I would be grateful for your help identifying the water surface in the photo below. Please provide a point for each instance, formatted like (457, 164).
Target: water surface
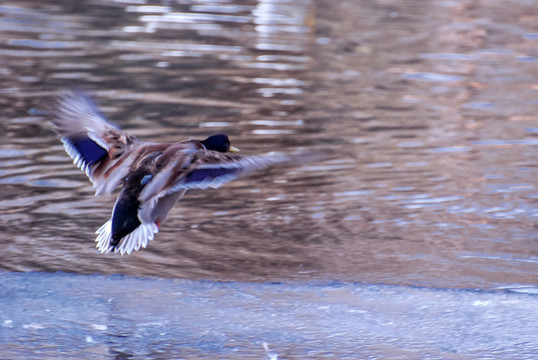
(430, 109)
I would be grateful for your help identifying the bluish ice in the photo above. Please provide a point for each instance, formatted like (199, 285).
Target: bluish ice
(65, 316)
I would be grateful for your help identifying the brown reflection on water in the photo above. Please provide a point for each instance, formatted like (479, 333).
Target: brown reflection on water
(430, 106)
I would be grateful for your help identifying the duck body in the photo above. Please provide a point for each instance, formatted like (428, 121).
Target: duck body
(153, 176)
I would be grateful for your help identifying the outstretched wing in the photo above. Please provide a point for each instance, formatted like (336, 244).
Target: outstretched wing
(200, 170)
(214, 172)
(97, 146)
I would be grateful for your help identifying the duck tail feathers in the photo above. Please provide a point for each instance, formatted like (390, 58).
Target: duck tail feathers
(140, 237)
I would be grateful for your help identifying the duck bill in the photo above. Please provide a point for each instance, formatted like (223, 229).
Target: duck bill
(233, 149)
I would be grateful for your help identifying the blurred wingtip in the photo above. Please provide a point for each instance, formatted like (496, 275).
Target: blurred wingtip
(307, 156)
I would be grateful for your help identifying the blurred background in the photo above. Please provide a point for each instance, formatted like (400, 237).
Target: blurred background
(430, 107)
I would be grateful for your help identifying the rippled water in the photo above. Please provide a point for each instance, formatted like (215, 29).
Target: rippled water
(429, 107)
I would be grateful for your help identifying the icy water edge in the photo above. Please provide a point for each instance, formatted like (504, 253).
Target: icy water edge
(430, 106)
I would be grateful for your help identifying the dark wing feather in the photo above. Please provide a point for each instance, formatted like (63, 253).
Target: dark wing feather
(210, 176)
(214, 169)
(200, 170)
(85, 150)
(204, 169)
(204, 174)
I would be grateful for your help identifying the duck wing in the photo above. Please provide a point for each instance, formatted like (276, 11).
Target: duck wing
(97, 146)
(200, 169)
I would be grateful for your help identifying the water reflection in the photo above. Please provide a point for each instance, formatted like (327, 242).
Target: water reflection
(430, 110)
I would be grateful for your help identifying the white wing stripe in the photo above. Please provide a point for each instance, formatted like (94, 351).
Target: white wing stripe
(138, 238)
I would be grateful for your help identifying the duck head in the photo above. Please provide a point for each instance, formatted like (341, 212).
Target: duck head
(220, 143)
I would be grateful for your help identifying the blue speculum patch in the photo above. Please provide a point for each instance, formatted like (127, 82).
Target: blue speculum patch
(89, 150)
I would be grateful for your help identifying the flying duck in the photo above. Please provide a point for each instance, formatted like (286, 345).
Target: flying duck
(153, 176)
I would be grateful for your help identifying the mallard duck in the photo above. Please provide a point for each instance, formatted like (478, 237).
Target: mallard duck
(153, 176)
